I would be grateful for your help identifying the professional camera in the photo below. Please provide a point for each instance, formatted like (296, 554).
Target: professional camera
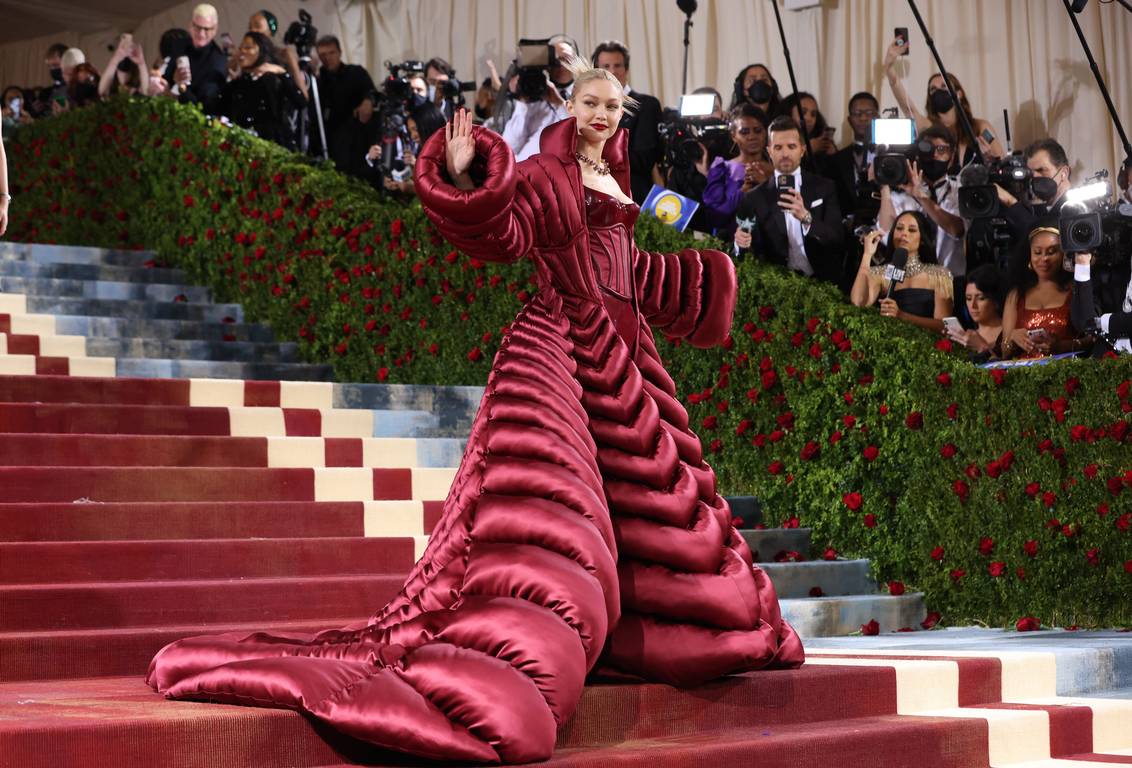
(895, 142)
(396, 88)
(687, 131)
(301, 34)
(533, 61)
(451, 88)
(1090, 222)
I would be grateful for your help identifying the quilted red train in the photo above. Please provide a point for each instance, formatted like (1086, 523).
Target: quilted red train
(583, 528)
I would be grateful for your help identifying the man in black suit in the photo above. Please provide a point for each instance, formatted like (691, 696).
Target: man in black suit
(799, 227)
(850, 165)
(643, 124)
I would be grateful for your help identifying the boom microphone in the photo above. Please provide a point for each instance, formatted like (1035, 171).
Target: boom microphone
(894, 272)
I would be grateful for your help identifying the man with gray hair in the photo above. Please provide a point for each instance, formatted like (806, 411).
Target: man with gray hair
(207, 70)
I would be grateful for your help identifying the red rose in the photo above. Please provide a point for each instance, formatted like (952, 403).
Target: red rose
(1115, 485)
(835, 438)
(475, 354)
(710, 422)
(953, 411)
(870, 520)
(1049, 498)
(382, 374)
(1124, 522)
(716, 445)
(961, 489)
(994, 469)
(896, 588)
(1102, 509)
(849, 420)
(786, 420)
(937, 554)
(1072, 384)
(1090, 471)
(883, 410)
(930, 620)
(1030, 547)
(769, 379)
(944, 379)
(829, 554)
(948, 450)
(777, 435)
(1044, 403)
(914, 420)
(810, 451)
(870, 453)
(872, 628)
(986, 546)
(776, 468)
(1033, 489)
(996, 569)
(1027, 624)
(957, 574)
(1079, 432)
(766, 313)
(944, 345)
(1093, 557)
(816, 592)
(742, 427)
(852, 500)
(999, 376)
(1128, 566)
(1020, 572)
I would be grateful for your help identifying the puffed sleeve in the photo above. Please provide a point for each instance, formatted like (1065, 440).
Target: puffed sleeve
(494, 221)
(689, 295)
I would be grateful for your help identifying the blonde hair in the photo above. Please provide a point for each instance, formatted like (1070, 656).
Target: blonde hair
(584, 72)
(206, 11)
(72, 57)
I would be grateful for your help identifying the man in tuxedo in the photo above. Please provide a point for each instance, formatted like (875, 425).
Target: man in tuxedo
(850, 165)
(643, 124)
(797, 227)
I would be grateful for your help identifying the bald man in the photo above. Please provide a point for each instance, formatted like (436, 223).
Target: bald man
(201, 82)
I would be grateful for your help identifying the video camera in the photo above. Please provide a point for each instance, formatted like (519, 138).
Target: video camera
(396, 89)
(685, 132)
(1091, 222)
(978, 197)
(301, 34)
(533, 61)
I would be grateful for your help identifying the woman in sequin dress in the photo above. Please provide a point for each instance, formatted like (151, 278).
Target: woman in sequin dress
(1035, 320)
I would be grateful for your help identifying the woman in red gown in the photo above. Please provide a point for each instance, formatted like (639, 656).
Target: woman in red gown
(583, 527)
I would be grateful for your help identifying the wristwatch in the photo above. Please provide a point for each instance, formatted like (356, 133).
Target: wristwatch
(809, 219)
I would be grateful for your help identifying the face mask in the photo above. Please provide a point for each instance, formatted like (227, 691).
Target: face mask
(760, 92)
(1044, 189)
(934, 169)
(482, 113)
(56, 75)
(85, 92)
(432, 93)
(416, 101)
(941, 101)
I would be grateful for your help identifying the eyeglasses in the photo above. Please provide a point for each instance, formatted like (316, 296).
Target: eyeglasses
(199, 28)
(941, 150)
(872, 114)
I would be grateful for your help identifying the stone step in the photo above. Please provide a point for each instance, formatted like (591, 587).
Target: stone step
(14, 268)
(102, 289)
(153, 328)
(69, 305)
(163, 368)
(767, 543)
(747, 508)
(414, 410)
(196, 349)
(844, 615)
(71, 254)
(835, 578)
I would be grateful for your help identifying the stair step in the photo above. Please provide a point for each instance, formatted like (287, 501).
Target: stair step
(844, 615)
(166, 560)
(183, 330)
(108, 450)
(834, 577)
(102, 272)
(195, 349)
(159, 368)
(70, 254)
(60, 654)
(115, 604)
(104, 289)
(183, 520)
(737, 721)
(766, 543)
(135, 310)
(101, 484)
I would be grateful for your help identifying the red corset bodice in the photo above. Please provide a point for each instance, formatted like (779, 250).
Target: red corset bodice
(611, 250)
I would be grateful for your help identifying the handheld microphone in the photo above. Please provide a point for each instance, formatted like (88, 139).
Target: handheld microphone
(747, 225)
(894, 271)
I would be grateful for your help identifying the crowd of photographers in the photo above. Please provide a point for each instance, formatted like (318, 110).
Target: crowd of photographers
(929, 217)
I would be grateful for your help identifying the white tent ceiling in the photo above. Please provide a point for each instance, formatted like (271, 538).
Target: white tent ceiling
(25, 20)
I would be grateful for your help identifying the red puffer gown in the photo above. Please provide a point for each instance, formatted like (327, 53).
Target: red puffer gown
(583, 524)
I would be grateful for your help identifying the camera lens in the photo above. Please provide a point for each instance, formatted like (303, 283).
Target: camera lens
(1082, 232)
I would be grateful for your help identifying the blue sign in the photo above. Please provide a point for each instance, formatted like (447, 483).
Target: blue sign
(671, 208)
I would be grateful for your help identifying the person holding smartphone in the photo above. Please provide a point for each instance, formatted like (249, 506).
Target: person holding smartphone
(940, 108)
(729, 180)
(1036, 320)
(984, 296)
(125, 69)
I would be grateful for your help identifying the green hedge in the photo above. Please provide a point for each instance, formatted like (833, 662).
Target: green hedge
(1000, 496)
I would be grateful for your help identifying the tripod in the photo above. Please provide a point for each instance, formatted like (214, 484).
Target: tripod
(312, 85)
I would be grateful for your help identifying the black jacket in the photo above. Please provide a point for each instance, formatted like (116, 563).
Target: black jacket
(825, 240)
(209, 68)
(644, 143)
(262, 104)
(340, 92)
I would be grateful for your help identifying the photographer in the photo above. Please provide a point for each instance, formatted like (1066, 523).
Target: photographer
(359, 141)
(797, 219)
(849, 167)
(341, 88)
(931, 191)
(531, 113)
(1116, 326)
(125, 70)
(424, 120)
(642, 124)
(1046, 159)
(756, 86)
(438, 72)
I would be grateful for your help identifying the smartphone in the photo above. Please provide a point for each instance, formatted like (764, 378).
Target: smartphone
(902, 38)
(1038, 335)
(829, 132)
(785, 182)
(183, 62)
(953, 325)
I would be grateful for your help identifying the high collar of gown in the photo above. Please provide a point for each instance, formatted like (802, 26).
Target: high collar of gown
(561, 140)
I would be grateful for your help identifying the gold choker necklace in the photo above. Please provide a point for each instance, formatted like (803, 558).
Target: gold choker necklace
(600, 168)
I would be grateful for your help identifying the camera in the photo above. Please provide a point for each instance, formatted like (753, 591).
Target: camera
(396, 88)
(1090, 222)
(451, 88)
(895, 140)
(978, 197)
(533, 61)
(685, 132)
(301, 34)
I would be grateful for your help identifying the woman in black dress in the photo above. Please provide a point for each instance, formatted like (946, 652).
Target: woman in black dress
(260, 98)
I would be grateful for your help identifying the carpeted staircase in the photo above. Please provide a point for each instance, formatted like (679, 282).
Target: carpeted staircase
(167, 469)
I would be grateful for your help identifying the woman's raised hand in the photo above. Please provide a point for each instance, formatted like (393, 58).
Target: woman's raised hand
(460, 146)
(870, 241)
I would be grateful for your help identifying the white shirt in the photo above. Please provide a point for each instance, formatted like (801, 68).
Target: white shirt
(948, 248)
(796, 258)
(527, 122)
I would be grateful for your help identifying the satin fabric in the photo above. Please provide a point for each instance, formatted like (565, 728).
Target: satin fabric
(583, 526)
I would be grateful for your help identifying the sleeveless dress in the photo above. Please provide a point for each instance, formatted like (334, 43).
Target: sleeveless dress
(583, 524)
(1054, 320)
